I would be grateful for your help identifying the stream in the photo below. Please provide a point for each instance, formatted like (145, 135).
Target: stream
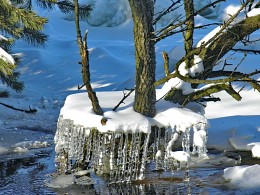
(27, 173)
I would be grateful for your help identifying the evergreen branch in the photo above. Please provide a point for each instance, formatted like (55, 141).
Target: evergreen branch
(34, 37)
(5, 67)
(46, 4)
(4, 94)
(12, 81)
(21, 23)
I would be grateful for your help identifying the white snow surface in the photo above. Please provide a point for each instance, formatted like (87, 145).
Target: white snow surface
(51, 73)
(6, 56)
(245, 177)
(180, 156)
(255, 149)
(78, 108)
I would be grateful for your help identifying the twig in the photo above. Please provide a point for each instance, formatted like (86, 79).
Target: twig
(211, 99)
(80, 87)
(122, 101)
(168, 10)
(247, 50)
(21, 110)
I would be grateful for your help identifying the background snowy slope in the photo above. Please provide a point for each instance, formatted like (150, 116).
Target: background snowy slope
(51, 73)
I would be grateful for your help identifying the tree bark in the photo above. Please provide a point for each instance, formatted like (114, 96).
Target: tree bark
(82, 43)
(227, 40)
(145, 97)
(210, 56)
(188, 34)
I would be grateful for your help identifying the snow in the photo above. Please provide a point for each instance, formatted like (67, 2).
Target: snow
(180, 156)
(6, 56)
(246, 177)
(51, 74)
(255, 149)
(78, 108)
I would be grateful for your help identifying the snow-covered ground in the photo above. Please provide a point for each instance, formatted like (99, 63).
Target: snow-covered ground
(51, 73)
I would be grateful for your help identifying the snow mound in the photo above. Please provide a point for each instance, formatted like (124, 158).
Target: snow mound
(244, 177)
(255, 149)
(78, 108)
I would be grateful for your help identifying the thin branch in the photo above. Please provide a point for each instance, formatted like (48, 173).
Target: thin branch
(247, 50)
(122, 101)
(166, 63)
(168, 10)
(210, 99)
(80, 87)
(164, 32)
(31, 111)
(226, 24)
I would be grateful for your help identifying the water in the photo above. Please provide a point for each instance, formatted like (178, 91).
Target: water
(35, 172)
(27, 174)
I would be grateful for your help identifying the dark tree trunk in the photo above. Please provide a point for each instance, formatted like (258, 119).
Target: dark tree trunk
(145, 96)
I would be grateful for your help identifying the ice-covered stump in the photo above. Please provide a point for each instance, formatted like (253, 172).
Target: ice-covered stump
(122, 155)
(121, 148)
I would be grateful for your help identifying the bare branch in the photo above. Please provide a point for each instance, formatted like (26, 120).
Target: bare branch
(166, 63)
(166, 31)
(168, 10)
(247, 51)
(122, 101)
(30, 111)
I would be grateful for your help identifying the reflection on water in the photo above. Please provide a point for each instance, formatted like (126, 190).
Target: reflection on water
(27, 174)
(193, 181)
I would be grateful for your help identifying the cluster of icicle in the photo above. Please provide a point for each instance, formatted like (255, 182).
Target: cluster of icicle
(122, 155)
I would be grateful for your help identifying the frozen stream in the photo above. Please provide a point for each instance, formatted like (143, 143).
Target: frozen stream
(27, 173)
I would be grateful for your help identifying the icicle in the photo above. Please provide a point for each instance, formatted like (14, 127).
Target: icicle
(168, 132)
(124, 165)
(200, 139)
(89, 144)
(131, 158)
(119, 157)
(123, 154)
(145, 147)
(112, 155)
(137, 155)
(186, 140)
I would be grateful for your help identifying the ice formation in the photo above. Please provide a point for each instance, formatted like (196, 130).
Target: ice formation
(119, 151)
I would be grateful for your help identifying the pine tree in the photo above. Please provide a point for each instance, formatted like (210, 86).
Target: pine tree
(16, 22)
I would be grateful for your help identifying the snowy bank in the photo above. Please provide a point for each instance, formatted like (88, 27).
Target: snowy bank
(77, 107)
(247, 178)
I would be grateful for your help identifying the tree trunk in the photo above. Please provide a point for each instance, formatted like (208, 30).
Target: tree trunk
(145, 97)
(210, 56)
(82, 43)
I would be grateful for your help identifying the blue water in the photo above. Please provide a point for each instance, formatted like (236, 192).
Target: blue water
(26, 174)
